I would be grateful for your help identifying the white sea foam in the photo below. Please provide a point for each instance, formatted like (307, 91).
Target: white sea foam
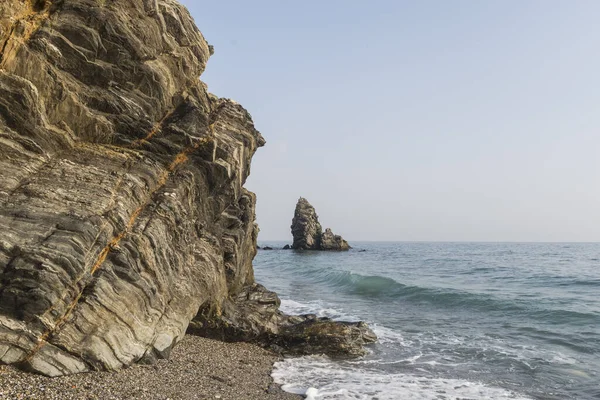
(289, 306)
(311, 394)
(495, 347)
(320, 379)
(389, 336)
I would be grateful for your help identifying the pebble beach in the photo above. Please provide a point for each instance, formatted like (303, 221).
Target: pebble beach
(198, 368)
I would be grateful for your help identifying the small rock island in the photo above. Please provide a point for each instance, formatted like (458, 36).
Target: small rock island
(308, 233)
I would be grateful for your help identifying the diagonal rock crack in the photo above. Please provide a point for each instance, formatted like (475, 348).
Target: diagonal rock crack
(178, 160)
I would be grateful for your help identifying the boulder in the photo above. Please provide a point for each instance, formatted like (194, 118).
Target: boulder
(314, 335)
(308, 233)
(287, 247)
(330, 241)
(254, 316)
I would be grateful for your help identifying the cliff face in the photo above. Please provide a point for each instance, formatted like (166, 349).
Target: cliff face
(122, 207)
(308, 233)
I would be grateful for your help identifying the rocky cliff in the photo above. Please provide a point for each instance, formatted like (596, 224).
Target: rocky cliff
(308, 233)
(122, 207)
(121, 183)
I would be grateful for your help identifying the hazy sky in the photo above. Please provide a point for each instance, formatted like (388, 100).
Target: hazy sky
(418, 120)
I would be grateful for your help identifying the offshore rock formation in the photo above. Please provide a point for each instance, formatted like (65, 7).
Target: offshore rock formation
(308, 233)
(330, 241)
(122, 207)
(306, 228)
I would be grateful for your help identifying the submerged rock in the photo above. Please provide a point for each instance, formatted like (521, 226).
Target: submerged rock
(254, 316)
(308, 233)
(287, 247)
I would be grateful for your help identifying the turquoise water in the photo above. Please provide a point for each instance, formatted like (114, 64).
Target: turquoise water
(455, 320)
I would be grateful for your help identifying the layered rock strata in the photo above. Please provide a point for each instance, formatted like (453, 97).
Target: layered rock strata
(122, 207)
(253, 315)
(308, 233)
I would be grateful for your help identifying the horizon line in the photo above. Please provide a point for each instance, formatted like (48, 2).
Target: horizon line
(452, 241)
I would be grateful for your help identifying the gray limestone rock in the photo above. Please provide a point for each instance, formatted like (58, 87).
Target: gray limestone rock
(306, 228)
(330, 241)
(308, 233)
(122, 207)
(254, 315)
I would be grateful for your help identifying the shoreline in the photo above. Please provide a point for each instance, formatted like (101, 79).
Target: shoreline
(198, 368)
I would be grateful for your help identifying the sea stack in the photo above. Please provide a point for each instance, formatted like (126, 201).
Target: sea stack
(308, 233)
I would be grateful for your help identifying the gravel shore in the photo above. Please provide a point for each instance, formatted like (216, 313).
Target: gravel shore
(199, 368)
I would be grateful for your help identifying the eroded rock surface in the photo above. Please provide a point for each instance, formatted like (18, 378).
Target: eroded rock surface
(331, 241)
(254, 315)
(306, 228)
(122, 207)
(308, 233)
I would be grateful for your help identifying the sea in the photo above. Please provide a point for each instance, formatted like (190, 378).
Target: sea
(466, 321)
